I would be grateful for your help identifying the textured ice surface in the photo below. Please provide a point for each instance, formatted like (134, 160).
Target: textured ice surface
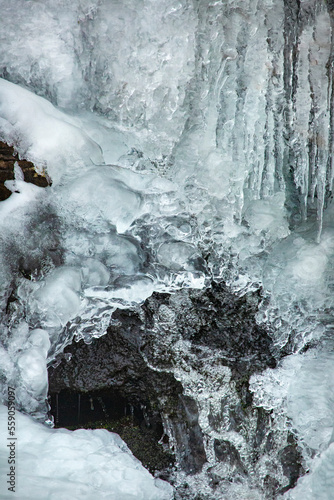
(84, 463)
(217, 117)
(41, 133)
(93, 241)
(132, 63)
(319, 483)
(301, 390)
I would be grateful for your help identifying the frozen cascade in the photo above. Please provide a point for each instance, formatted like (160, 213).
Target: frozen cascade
(186, 141)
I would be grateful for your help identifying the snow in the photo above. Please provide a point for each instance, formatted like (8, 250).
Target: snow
(60, 464)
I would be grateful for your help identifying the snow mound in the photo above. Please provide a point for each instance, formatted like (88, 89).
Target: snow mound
(60, 464)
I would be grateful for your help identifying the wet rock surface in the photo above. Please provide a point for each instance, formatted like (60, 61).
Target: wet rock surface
(140, 428)
(215, 318)
(291, 461)
(113, 369)
(133, 372)
(7, 160)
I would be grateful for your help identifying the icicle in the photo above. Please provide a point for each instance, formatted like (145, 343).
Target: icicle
(79, 401)
(57, 409)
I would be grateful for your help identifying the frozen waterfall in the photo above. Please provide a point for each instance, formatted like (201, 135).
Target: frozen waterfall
(188, 150)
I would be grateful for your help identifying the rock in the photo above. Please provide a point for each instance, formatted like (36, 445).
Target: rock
(291, 459)
(226, 452)
(140, 370)
(7, 160)
(113, 369)
(139, 428)
(216, 318)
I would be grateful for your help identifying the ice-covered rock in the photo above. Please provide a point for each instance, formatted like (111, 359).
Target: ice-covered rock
(58, 296)
(52, 140)
(97, 193)
(9, 165)
(218, 117)
(63, 464)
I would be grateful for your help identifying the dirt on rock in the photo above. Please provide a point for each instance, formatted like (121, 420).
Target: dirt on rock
(8, 157)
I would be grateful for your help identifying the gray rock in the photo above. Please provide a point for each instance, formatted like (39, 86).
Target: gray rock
(131, 370)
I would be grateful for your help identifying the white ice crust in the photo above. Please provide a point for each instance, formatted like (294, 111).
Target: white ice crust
(61, 464)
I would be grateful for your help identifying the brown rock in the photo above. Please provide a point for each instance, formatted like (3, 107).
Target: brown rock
(7, 159)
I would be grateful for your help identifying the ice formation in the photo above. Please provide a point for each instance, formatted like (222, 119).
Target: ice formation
(184, 140)
(84, 463)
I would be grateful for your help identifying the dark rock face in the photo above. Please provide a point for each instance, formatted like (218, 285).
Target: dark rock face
(113, 368)
(140, 428)
(291, 462)
(7, 160)
(218, 319)
(131, 373)
(226, 452)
